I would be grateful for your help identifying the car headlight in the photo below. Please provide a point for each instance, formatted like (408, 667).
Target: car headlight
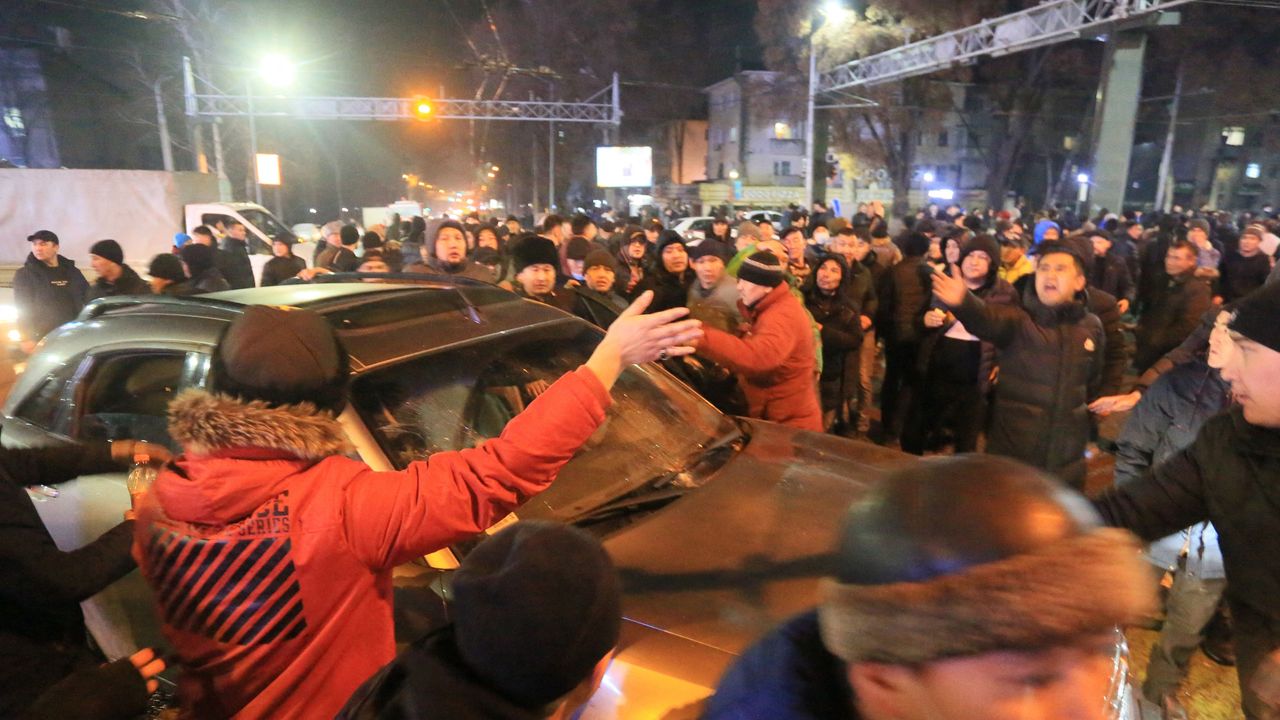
(8, 313)
(15, 336)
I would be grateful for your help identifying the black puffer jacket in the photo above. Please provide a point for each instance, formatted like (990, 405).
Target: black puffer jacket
(233, 263)
(47, 296)
(1110, 273)
(670, 290)
(1230, 476)
(127, 284)
(1051, 362)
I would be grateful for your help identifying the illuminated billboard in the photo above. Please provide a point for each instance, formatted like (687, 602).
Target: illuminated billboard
(624, 167)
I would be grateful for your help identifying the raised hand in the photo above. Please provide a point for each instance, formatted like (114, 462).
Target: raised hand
(638, 338)
(950, 289)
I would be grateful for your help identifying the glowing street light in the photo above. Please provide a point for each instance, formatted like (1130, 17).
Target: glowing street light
(1083, 178)
(277, 70)
(929, 177)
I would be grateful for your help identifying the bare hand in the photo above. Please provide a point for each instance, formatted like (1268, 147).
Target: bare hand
(1123, 305)
(638, 338)
(309, 274)
(149, 665)
(536, 388)
(1104, 406)
(950, 289)
(935, 318)
(1266, 681)
(866, 323)
(123, 452)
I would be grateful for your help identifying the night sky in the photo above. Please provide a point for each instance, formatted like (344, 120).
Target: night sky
(388, 48)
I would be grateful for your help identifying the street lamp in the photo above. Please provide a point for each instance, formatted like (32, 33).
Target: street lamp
(278, 71)
(829, 9)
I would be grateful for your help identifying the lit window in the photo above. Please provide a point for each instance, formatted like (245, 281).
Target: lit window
(1253, 171)
(1233, 136)
(782, 131)
(13, 121)
(733, 134)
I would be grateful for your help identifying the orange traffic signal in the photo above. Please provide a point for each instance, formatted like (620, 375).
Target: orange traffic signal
(422, 108)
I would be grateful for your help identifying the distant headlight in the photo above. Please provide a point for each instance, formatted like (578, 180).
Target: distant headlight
(8, 313)
(15, 336)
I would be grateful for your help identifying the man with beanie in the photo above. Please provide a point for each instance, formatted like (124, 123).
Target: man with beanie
(201, 263)
(775, 359)
(114, 276)
(671, 276)
(536, 614)
(1229, 476)
(168, 277)
(599, 279)
(447, 255)
(48, 290)
(1246, 268)
(965, 588)
(535, 261)
(1052, 353)
(331, 242)
(235, 266)
(343, 258)
(713, 296)
(270, 549)
(575, 255)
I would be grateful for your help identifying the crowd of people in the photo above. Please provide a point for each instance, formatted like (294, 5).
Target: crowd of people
(942, 332)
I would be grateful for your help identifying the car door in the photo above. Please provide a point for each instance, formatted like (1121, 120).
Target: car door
(112, 394)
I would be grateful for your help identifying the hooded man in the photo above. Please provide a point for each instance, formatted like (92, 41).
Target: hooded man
(201, 262)
(48, 290)
(713, 297)
(447, 255)
(776, 358)
(270, 549)
(553, 582)
(966, 588)
(1229, 476)
(671, 276)
(598, 282)
(1051, 361)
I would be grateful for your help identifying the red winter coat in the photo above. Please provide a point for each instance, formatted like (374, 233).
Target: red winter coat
(271, 565)
(775, 360)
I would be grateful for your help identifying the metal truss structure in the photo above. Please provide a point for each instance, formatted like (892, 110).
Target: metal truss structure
(603, 108)
(1050, 22)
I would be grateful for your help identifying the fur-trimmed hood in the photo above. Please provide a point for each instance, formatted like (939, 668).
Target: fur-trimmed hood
(237, 454)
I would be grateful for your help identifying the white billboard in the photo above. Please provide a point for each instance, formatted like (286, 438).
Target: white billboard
(624, 167)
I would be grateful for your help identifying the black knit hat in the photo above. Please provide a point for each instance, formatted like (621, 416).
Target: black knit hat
(762, 268)
(536, 607)
(578, 249)
(1255, 316)
(371, 241)
(108, 250)
(349, 234)
(198, 258)
(600, 258)
(709, 248)
(167, 266)
(670, 237)
(982, 243)
(535, 250)
(281, 357)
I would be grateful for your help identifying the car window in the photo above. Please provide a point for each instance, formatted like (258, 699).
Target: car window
(44, 406)
(457, 398)
(126, 395)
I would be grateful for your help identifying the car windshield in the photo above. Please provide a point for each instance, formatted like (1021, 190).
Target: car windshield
(267, 223)
(655, 431)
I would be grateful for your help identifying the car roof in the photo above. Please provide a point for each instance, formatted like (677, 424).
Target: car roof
(379, 323)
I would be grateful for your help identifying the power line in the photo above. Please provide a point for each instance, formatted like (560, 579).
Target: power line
(133, 14)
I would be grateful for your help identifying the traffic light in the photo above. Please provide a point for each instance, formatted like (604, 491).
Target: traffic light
(422, 108)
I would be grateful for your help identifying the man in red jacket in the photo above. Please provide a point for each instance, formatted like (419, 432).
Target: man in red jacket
(775, 359)
(270, 550)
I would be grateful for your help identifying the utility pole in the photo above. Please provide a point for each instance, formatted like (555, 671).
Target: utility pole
(551, 169)
(536, 178)
(166, 146)
(809, 129)
(1164, 188)
(253, 146)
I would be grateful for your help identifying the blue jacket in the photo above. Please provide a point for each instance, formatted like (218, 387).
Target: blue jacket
(787, 675)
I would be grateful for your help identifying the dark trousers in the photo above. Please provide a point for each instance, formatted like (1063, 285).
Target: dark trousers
(900, 380)
(949, 399)
(1191, 604)
(1255, 637)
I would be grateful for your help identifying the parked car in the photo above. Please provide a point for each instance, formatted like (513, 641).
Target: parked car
(772, 216)
(693, 229)
(719, 526)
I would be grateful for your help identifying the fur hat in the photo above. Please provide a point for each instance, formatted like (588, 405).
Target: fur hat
(762, 268)
(281, 357)
(535, 250)
(108, 250)
(975, 554)
(538, 605)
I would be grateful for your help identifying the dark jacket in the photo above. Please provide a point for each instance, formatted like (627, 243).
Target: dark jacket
(1050, 367)
(431, 681)
(904, 298)
(47, 297)
(42, 632)
(127, 284)
(1175, 310)
(998, 292)
(670, 290)
(1110, 273)
(467, 269)
(841, 338)
(233, 263)
(787, 675)
(1242, 275)
(860, 288)
(1168, 417)
(179, 289)
(1230, 476)
(279, 269)
(209, 281)
(1116, 358)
